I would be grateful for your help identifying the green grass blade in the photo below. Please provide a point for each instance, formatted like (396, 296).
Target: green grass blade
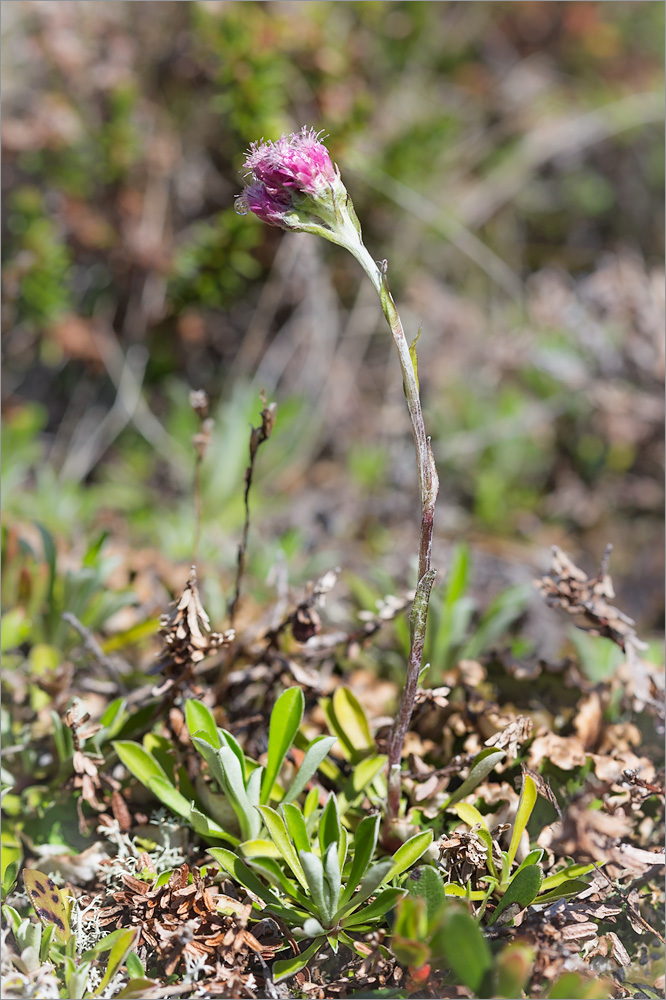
(314, 756)
(138, 761)
(278, 831)
(352, 723)
(482, 765)
(409, 852)
(293, 817)
(314, 875)
(332, 885)
(286, 717)
(329, 824)
(526, 803)
(290, 966)
(523, 890)
(573, 871)
(384, 902)
(200, 720)
(365, 842)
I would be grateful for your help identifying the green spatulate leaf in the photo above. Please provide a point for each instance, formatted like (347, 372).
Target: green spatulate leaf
(523, 889)
(285, 719)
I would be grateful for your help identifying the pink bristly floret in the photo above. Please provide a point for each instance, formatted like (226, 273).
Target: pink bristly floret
(269, 206)
(297, 163)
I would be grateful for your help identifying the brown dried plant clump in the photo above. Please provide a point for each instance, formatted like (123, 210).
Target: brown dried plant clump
(587, 599)
(188, 638)
(86, 777)
(180, 922)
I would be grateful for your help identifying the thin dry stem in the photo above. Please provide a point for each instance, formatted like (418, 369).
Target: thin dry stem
(257, 437)
(198, 508)
(201, 440)
(90, 644)
(428, 489)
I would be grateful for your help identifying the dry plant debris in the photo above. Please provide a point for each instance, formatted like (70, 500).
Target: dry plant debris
(586, 599)
(189, 919)
(187, 637)
(86, 765)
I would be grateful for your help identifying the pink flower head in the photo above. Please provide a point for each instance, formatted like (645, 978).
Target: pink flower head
(297, 162)
(269, 206)
(283, 173)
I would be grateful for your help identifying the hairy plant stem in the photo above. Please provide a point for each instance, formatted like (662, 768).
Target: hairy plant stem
(428, 489)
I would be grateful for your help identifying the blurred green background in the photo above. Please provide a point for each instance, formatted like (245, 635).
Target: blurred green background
(508, 161)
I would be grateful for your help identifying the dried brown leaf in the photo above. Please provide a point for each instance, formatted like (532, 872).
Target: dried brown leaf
(120, 811)
(617, 949)
(587, 722)
(565, 752)
(512, 736)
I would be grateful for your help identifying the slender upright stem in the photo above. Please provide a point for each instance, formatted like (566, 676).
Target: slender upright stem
(428, 489)
(198, 509)
(257, 437)
(295, 185)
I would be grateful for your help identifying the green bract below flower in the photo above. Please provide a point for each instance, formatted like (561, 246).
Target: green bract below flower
(293, 184)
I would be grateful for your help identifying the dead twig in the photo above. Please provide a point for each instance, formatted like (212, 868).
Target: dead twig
(114, 665)
(201, 440)
(387, 610)
(587, 599)
(257, 437)
(95, 435)
(141, 416)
